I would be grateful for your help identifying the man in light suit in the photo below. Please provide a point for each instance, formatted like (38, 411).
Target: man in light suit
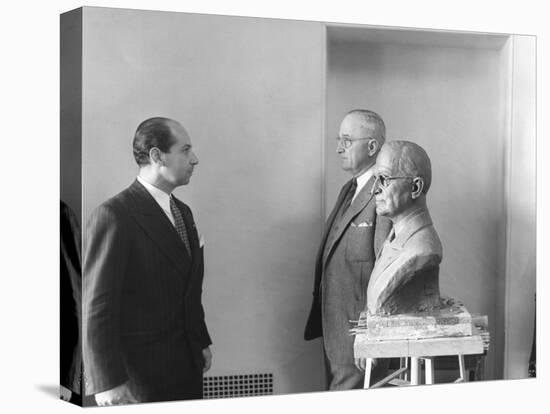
(144, 332)
(405, 278)
(353, 234)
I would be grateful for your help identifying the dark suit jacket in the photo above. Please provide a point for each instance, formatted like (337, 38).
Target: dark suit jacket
(405, 278)
(70, 300)
(143, 319)
(342, 271)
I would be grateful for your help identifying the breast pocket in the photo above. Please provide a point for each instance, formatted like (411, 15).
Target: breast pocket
(359, 245)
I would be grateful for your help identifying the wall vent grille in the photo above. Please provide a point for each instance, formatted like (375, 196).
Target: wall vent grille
(230, 386)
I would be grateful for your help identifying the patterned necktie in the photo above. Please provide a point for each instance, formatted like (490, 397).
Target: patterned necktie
(180, 225)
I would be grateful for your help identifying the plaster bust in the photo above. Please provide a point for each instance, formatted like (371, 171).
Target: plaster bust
(405, 278)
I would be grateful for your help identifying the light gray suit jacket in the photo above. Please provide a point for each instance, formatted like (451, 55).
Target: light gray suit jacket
(344, 264)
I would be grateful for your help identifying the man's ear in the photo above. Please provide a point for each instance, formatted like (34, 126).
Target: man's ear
(373, 147)
(417, 187)
(156, 156)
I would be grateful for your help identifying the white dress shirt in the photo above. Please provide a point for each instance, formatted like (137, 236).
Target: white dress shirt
(162, 199)
(362, 181)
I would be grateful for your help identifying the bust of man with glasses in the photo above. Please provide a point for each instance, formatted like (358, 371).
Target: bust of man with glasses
(405, 278)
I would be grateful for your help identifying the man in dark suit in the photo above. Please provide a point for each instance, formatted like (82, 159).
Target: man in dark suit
(70, 296)
(144, 333)
(353, 234)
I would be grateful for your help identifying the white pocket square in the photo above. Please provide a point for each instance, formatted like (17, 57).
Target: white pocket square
(365, 224)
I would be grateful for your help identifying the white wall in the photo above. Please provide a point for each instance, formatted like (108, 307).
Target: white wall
(521, 212)
(450, 100)
(248, 91)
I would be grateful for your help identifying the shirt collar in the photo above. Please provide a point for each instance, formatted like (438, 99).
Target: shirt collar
(414, 220)
(160, 196)
(362, 180)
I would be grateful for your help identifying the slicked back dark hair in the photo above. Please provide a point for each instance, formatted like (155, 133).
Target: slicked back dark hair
(153, 132)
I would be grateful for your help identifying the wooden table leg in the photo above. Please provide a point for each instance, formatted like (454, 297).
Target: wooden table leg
(368, 369)
(404, 363)
(429, 370)
(462, 369)
(415, 371)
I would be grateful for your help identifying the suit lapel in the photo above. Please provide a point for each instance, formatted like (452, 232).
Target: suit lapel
(330, 220)
(386, 243)
(158, 227)
(361, 201)
(189, 226)
(390, 252)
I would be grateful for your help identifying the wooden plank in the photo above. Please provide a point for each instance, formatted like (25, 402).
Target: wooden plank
(399, 382)
(390, 377)
(468, 345)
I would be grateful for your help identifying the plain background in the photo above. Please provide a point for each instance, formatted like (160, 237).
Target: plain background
(252, 102)
(30, 246)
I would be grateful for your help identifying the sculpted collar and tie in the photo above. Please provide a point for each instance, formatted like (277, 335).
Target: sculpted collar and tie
(391, 250)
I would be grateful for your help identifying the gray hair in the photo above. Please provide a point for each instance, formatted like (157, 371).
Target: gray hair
(372, 117)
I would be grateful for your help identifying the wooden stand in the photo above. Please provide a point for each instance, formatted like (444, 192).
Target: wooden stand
(416, 350)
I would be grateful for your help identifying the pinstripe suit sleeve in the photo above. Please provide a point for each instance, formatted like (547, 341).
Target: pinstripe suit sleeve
(201, 329)
(105, 260)
(204, 336)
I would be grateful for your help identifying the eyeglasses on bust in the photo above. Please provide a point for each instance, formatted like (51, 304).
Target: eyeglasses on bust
(385, 180)
(346, 142)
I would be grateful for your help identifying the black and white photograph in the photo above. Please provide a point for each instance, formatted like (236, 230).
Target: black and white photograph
(328, 209)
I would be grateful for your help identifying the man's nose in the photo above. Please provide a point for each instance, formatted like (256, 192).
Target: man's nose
(195, 160)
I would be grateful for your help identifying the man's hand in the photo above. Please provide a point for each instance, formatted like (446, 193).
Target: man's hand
(115, 396)
(65, 393)
(207, 355)
(361, 363)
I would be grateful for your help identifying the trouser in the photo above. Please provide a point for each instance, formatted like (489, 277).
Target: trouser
(346, 376)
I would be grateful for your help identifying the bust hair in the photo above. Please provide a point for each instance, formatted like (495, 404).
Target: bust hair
(411, 159)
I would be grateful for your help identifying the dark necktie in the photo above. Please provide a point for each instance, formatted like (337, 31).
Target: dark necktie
(180, 225)
(349, 196)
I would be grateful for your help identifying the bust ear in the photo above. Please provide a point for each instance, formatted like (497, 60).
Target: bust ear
(417, 187)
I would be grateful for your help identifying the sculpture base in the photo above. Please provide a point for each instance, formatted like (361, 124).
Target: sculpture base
(451, 319)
